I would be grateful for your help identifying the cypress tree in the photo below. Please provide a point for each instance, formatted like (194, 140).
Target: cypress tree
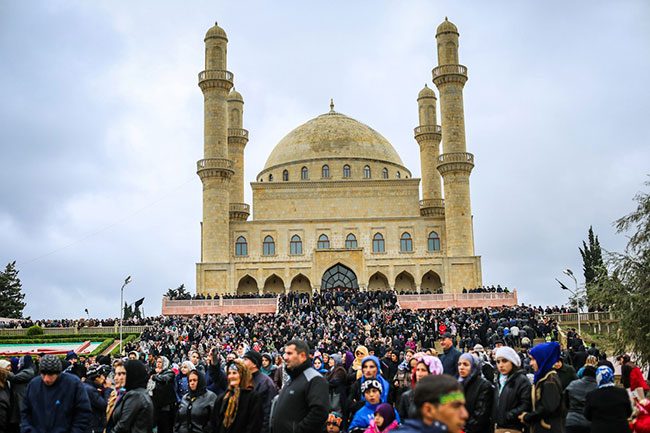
(11, 296)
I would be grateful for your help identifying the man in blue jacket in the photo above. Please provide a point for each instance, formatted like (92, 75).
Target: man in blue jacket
(55, 402)
(450, 356)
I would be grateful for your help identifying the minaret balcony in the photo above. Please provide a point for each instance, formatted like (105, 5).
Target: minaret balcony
(238, 132)
(432, 207)
(449, 73)
(214, 167)
(455, 161)
(239, 211)
(428, 132)
(212, 78)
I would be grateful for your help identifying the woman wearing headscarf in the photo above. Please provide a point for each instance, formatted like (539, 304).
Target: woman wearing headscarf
(336, 380)
(133, 413)
(238, 410)
(182, 387)
(22, 374)
(424, 365)
(512, 395)
(370, 369)
(590, 361)
(318, 365)
(575, 396)
(608, 407)
(268, 367)
(632, 378)
(164, 395)
(195, 412)
(546, 415)
(354, 372)
(479, 394)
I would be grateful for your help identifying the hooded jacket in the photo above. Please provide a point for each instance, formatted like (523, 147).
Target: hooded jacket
(98, 398)
(62, 407)
(134, 412)
(575, 396)
(365, 414)
(355, 399)
(26, 372)
(479, 395)
(164, 392)
(195, 412)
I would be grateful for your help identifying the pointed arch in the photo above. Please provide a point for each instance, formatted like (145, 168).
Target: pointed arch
(274, 284)
(431, 282)
(339, 276)
(404, 282)
(378, 281)
(301, 284)
(247, 285)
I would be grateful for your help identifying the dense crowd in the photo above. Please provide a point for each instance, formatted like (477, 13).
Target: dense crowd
(331, 362)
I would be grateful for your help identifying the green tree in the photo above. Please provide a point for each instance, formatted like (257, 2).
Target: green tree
(592, 257)
(11, 296)
(627, 289)
(128, 312)
(177, 292)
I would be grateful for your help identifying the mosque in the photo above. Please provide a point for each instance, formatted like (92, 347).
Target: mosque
(334, 205)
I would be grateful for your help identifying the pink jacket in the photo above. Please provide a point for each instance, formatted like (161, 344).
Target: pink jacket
(374, 429)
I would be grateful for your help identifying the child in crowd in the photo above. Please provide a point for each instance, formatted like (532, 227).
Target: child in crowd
(334, 421)
(371, 390)
(384, 420)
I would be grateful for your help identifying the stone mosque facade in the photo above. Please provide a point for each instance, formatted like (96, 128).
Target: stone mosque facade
(334, 205)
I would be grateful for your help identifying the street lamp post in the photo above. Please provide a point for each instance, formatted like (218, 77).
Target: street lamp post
(569, 273)
(126, 281)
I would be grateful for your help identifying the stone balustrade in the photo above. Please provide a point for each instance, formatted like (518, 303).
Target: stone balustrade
(79, 331)
(432, 202)
(210, 163)
(427, 129)
(462, 300)
(441, 70)
(190, 307)
(237, 132)
(456, 157)
(215, 74)
(240, 207)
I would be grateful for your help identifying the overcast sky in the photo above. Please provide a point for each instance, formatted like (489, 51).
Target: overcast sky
(101, 125)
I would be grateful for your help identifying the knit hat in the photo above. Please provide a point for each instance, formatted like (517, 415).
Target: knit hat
(479, 348)
(70, 355)
(387, 413)
(335, 418)
(508, 353)
(255, 357)
(50, 364)
(371, 384)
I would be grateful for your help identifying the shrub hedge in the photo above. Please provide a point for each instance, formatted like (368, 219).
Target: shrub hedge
(64, 338)
(116, 350)
(35, 330)
(99, 349)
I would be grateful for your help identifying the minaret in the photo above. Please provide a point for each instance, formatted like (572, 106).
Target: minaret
(428, 137)
(455, 164)
(215, 169)
(237, 139)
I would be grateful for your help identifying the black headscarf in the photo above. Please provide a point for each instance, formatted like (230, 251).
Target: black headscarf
(200, 386)
(136, 374)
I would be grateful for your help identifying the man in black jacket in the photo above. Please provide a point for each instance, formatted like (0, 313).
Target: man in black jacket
(450, 356)
(303, 404)
(264, 386)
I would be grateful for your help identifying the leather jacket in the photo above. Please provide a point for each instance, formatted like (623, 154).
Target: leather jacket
(133, 413)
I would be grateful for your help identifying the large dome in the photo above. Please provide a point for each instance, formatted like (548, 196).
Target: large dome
(332, 136)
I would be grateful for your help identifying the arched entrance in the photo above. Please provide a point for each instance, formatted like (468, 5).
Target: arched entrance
(339, 276)
(247, 285)
(300, 284)
(404, 282)
(430, 283)
(378, 281)
(274, 284)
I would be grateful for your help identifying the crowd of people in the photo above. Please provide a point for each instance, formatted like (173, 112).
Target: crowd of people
(338, 361)
(487, 289)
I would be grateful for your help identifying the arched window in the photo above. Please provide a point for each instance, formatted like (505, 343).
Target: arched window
(326, 171)
(285, 175)
(397, 175)
(346, 171)
(270, 178)
(241, 246)
(323, 242)
(384, 173)
(268, 247)
(378, 243)
(295, 246)
(434, 241)
(405, 242)
(350, 241)
(304, 173)
(366, 172)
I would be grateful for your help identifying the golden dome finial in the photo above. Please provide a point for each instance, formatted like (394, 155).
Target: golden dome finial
(332, 105)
